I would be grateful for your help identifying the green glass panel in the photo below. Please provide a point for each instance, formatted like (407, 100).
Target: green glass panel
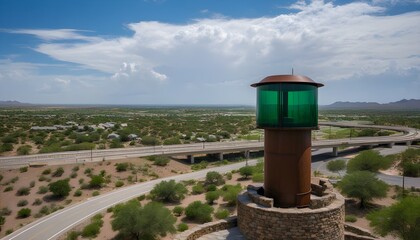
(287, 105)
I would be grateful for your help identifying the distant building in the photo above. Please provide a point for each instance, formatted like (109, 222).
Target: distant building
(133, 137)
(124, 124)
(113, 136)
(37, 128)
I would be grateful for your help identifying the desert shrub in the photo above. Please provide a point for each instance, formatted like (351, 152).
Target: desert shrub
(141, 197)
(182, 227)
(73, 175)
(37, 202)
(178, 210)
(119, 183)
(92, 230)
(198, 189)
(95, 193)
(24, 150)
(46, 171)
(230, 193)
(42, 189)
(221, 214)
(9, 231)
(246, 171)
(23, 169)
(229, 176)
(96, 181)
(336, 165)
(88, 171)
(81, 180)
(199, 166)
(199, 212)
(5, 211)
(22, 203)
(77, 193)
(121, 167)
(75, 168)
(368, 160)
(168, 191)
(32, 184)
(161, 160)
(214, 178)
(258, 177)
(60, 188)
(211, 187)
(2, 221)
(8, 189)
(350, 218)
(58, 172)
(73, 235)
(23, 191)
(212, 196)
(24, 213)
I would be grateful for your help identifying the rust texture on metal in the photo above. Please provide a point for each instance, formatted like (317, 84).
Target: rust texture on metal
(299, 79)
(287, 167)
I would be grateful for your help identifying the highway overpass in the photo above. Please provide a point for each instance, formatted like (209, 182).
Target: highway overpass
(406, 136)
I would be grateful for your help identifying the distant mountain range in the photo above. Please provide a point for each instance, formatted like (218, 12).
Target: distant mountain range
(13, 104)
(411, 104)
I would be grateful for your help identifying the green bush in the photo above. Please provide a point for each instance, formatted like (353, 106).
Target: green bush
(258, 177)
(73, 175)
(161, 160)
(60, 188)
(199, 212)
(32, 184)
(75, 168)
(5, 211)
(214, 178)
(336, 165)
(119, 183)
(211, 187)
(73, 235)
(246, 171)
(77, 193)
(121, 167)
(95, 193)
(182, 227)
(168, 191)
(58, 172)
(23, 191)
(229, 176)
(9, 231)
(24, 150)
(92, 230)
(368, 160)
(24, 213)
(230, 193)
(198, 189)
(178, 210)
(37, 202)
(2, 221)
(42, 189)
(350, 218)
(88, 171)
(221, 214)
(23, 169)
(22, 203)
(199, 166)
(96, 181)
(8, 189)
(46, 171)
(212, 196)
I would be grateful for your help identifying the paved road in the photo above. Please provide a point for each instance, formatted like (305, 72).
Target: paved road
(54, 225)
(409, 135)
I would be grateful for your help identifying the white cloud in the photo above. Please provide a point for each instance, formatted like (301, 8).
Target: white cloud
(322, 40)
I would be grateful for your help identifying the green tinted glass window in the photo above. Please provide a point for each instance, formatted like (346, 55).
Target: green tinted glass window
(287, 105)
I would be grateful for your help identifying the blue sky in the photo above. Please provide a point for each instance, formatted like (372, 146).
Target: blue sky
(205, 52)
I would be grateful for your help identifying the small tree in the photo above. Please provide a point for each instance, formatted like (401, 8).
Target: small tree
(401, 219)
(366, 161)
(168, 191)
(214, 178)
(149, 222)
(246, 171)
(230, 193)
(199, 211)
(336, 166)
(60, 188)
(363, 185)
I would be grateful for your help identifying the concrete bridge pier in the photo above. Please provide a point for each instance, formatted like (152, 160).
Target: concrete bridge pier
(335, 151)
(191, 158)
(221, 156)
(408, 143)
(391, 144)
(246, 154)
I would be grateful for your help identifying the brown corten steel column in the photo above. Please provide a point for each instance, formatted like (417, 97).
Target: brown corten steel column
(287, 166)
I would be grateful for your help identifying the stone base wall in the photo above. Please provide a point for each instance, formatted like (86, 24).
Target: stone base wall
(256, 221)
(207, 228)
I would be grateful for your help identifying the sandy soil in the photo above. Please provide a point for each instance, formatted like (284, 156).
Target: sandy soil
(9, 199)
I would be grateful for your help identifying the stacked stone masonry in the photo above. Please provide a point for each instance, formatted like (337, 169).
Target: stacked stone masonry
(257, 221)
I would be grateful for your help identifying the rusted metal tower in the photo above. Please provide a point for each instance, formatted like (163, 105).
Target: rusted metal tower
(287, 110)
